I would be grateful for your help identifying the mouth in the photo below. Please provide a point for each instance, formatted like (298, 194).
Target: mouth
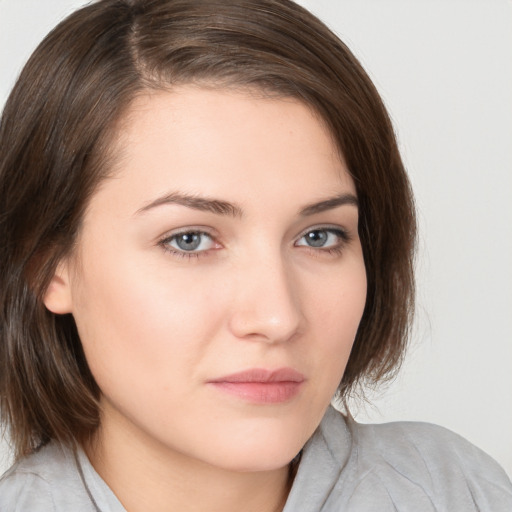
(262, 386)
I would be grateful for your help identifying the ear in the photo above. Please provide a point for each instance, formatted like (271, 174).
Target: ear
(58, 297)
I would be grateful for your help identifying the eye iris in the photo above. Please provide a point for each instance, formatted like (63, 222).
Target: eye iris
(316, 238)
(188, 241)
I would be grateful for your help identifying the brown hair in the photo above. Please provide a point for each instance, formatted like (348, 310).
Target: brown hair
(55, 134)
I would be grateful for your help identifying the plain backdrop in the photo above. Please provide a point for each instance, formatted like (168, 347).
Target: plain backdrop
(444, 69)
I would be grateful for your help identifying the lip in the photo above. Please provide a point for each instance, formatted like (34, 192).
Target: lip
(259, 385)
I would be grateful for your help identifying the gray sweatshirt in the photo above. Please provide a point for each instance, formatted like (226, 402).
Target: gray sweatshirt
(345, 467)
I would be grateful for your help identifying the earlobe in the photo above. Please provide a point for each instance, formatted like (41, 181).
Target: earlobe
(57, 298)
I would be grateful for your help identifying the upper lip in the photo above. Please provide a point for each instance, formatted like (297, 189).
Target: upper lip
(263, 375)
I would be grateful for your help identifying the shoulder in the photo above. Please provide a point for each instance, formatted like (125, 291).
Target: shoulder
(409, 443)
(410, 458)
(46, 481)
(20, 491)
(395, 467)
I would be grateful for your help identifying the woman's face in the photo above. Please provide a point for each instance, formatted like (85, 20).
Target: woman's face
(218, 281)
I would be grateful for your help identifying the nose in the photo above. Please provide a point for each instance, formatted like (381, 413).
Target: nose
(266, 301)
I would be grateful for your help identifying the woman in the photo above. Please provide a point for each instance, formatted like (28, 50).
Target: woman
(209, 233)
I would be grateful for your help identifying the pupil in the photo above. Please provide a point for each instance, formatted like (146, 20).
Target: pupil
(316, 238)
(189, 241)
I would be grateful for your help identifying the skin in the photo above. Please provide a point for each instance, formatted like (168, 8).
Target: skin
(157, 326)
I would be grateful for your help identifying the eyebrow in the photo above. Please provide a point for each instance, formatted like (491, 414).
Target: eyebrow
(330, 204)
(221, 207)
(204, 204)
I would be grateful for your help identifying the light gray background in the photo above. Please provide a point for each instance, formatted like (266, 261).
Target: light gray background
(444, 69)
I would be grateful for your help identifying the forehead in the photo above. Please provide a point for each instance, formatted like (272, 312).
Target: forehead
(225, 143)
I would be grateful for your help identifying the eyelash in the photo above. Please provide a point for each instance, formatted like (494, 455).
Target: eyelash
(343, 236)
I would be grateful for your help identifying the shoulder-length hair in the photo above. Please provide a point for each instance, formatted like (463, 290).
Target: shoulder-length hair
(55, 134)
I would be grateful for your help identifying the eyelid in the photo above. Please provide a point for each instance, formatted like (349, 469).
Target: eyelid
(331, 228)
(189, 229)
(343, 234)
(164, 241)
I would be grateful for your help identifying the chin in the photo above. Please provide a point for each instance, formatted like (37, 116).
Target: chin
(256, 453)
(252, 463)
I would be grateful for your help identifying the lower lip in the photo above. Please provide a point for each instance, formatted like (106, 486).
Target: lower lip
(261, 392)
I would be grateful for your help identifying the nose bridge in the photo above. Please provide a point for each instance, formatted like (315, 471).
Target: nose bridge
(266, 302)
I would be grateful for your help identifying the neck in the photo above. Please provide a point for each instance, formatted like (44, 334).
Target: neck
(148, 476)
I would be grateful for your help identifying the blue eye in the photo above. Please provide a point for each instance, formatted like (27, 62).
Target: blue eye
(323, 238)
(189, 242)
(199, 243)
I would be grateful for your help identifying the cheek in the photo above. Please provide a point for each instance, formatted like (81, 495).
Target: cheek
(336, 314)
(342, 298)
(138, 322)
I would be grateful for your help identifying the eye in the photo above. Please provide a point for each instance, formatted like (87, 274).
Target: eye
(191, 242)
(324, 238)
